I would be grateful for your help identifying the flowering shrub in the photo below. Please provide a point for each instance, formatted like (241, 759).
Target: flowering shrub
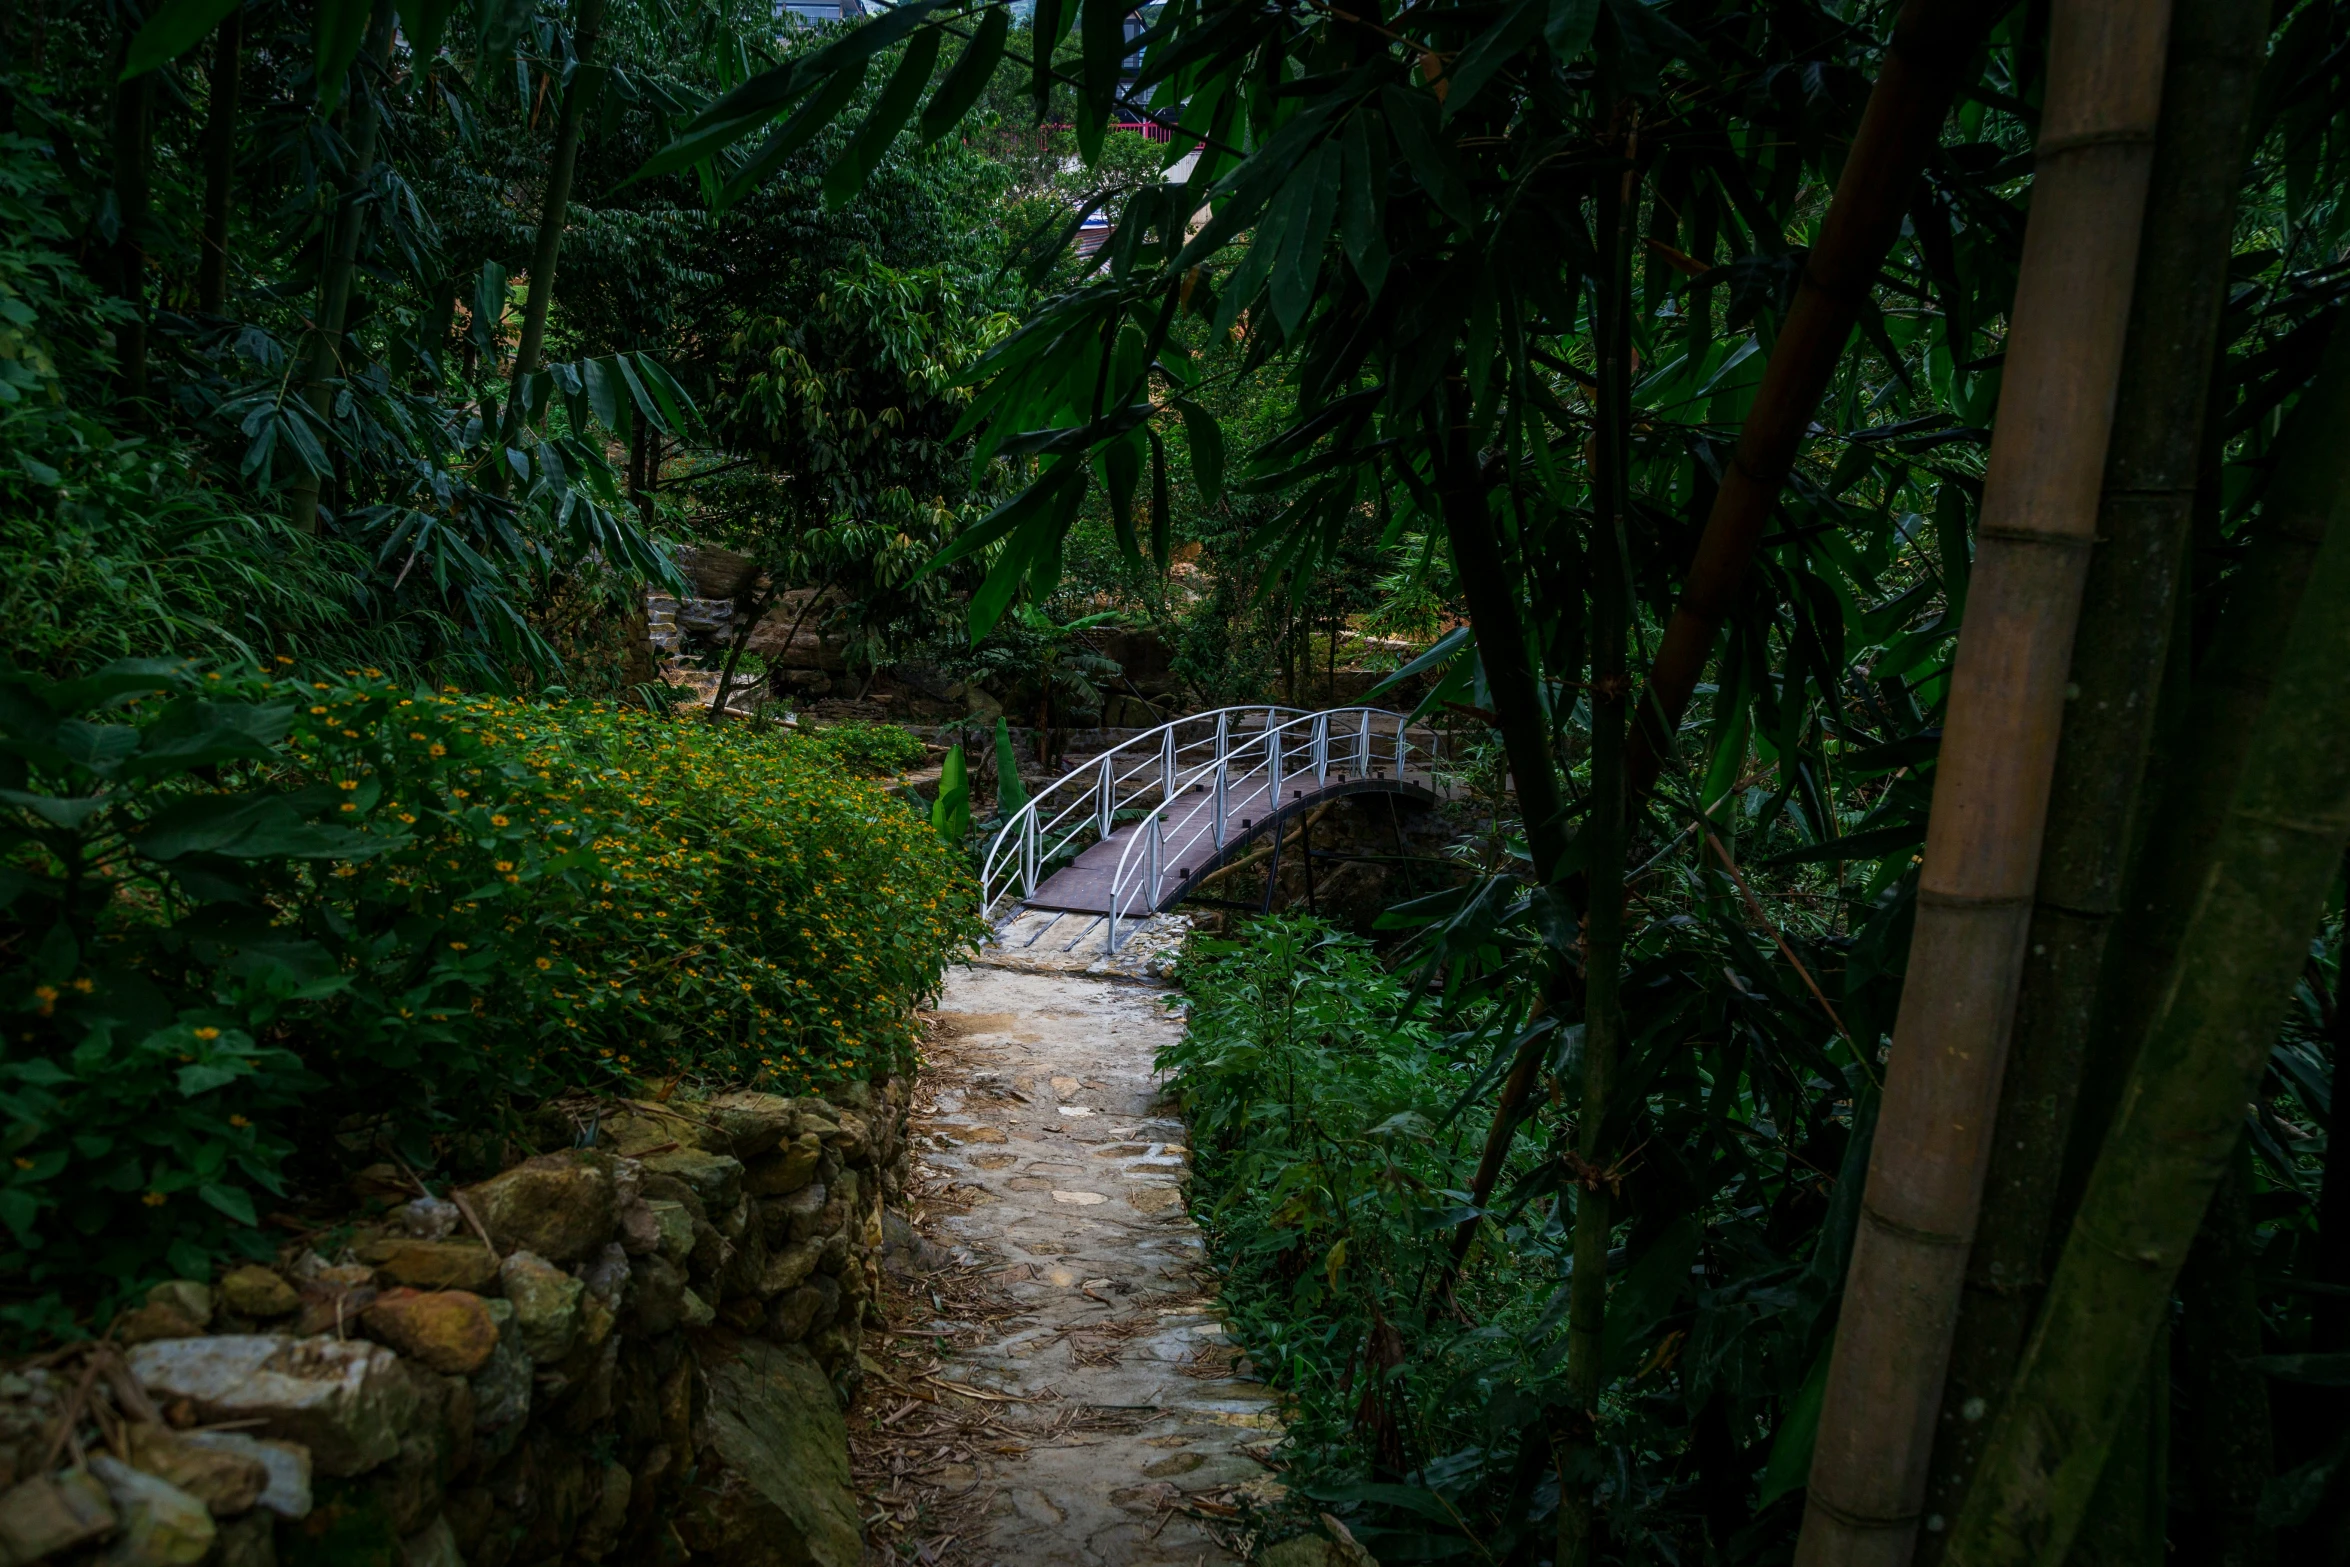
(241, 914)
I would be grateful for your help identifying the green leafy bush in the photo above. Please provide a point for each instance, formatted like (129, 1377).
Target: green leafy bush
(869, 750)
(242, 915)
(1321, 1112)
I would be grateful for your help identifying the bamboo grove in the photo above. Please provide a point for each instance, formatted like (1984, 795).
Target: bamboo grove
(1886, 456)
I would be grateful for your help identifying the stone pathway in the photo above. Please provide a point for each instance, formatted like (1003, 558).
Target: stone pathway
(1053, 1167)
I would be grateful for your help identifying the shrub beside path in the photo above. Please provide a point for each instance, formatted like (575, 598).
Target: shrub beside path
(1120, 1433)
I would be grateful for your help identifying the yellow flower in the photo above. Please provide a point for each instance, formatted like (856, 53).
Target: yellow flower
(23, 1163)
(238, 1121)
(497, 821)
(154, 1199)
(456, 946)
(546, 963)
(439, 750)
(207, 1033)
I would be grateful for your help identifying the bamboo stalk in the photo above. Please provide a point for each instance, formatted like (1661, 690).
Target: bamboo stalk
(1934, 44)
(325, 344)
(2127, 611)
(1604, 835)
(2229, 691)
(2227, 1427)
(587, 22)
(2182, 1111)
(220, 161)
(1974, 901)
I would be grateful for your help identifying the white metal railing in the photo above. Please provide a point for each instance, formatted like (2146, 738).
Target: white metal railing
(1236, 756)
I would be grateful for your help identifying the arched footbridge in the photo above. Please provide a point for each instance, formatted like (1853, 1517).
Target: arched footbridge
(1136, 830)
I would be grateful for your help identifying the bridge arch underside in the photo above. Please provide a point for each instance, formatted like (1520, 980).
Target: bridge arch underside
(1190, 853)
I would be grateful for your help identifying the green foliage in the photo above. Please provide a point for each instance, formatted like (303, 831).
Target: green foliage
(243, 912)
(868, 750)
(950, 813)
(1010, 795)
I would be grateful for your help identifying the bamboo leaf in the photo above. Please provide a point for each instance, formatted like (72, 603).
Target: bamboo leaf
(1206, 440)
(898, 100)
(795, 133)
(175, 27)
(1363, 203)
(1490, 51)
(970, 76)
(1121, 473)
(336, 33)
(1569, 28)
(423, 22)
(1412, 116)
(1311, 201)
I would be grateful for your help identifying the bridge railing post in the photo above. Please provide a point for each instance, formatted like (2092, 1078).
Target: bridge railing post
(1320, 742)
(1028, 836)
(1219, 807)
(1272, 766)
(1167, 767)
(1223, 736)
(1363, 744)
(1105, 797)
(1158, 857)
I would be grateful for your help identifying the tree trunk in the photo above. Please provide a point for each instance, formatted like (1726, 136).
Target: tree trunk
(220, 162)
(734, 654)
(322, 356)
(2127, 612)
(2182, 1110)
(2006, 706)
(2226, 1432)
(587, 20)
(1933, 48)
(131, 133)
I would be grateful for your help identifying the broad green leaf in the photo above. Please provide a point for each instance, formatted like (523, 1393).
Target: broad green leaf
(56, 810)
(970, 76)
(677, 405)
(205, 1076)
(1121, 474)
(864, 153)
(950, 813)
(231, 1200)
(423, 22)
(1789, 1466)
(1206, 440)
(98, 747)
(1102, 34)
(1412, 116)
(604, 389)
(498, 24)
(1048, 20)
(1024, 507)
(1491, 50)
(795, 133)
(1363, 199)
(1569, 27)
(172, 30)
(1311, 198)
(336, 33)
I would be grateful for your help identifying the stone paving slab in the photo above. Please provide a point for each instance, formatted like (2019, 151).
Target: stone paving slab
(1047, 1121)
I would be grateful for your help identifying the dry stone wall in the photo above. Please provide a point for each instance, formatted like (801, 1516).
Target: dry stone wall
(634, 1350)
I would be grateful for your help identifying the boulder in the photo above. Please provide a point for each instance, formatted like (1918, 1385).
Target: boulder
(448, 1331)
(501, 1391)
(155, 1320)
(607, 1516)
(715, 1178)
(255, 1291)
(801, 1211)
(435, 1545)
(226, 1482)
(695, 1312)
(52, 1513)
(781, 1495)
(793, 1314)
(431, 1265)
(790, 1267)
(189, 1298)
(346, 1400)
(655, 1301)
(750, 1124)
(162, 1525)
(546, 1305)
(674, 1225)
(287, 1464)
(790, 1167)
(559, 1206)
